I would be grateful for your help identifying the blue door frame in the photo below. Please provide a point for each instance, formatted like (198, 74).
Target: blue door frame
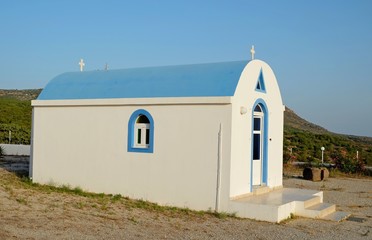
(264, 157)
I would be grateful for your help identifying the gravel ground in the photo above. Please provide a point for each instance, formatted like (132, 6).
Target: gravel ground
(29, 213)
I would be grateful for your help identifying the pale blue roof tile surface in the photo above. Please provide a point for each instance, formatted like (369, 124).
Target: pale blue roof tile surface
(197, 80)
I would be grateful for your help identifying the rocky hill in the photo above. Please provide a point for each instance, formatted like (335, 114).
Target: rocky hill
(291, 119)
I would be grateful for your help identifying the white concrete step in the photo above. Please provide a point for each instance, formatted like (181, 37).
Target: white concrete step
(258, 190)
(317, 211)
(311, 202)
(278, 204)
(336, 216)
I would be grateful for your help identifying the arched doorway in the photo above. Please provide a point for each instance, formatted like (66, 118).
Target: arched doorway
(259, 145)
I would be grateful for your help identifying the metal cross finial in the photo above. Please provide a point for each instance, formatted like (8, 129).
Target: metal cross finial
(252, 52)
(82, 64)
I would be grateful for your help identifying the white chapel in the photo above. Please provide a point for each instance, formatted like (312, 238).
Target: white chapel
(201, 136)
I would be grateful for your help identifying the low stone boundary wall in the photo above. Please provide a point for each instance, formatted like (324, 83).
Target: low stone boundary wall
(16, 150)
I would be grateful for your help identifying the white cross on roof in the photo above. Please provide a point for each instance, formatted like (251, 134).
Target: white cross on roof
(82, 64)
(252, 52)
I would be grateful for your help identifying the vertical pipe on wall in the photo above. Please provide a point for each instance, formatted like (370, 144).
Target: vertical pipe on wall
(219, 159)
(30, 166)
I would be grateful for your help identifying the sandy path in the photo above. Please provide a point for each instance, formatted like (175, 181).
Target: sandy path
(28, 213)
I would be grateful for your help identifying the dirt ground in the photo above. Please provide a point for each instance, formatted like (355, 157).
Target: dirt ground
(29, 212)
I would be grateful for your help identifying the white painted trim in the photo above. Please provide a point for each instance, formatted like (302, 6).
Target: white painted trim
(132, 101)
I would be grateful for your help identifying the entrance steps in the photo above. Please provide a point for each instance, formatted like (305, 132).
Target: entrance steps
(277, 205)
(337, 216)
(318, 210)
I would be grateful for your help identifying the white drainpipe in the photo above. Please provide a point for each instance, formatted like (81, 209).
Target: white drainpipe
(219, 159)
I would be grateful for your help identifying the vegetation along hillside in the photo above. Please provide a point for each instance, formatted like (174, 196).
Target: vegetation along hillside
(15, 115)
(302, 139)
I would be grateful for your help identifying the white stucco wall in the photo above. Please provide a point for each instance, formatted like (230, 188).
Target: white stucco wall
(84, 144)
(246, 96)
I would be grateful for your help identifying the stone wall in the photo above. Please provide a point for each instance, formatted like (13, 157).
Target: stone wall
(16, 150)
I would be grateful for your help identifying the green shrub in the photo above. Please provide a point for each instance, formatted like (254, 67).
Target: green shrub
(348, 165)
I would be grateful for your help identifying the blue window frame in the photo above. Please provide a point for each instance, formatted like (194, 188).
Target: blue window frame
(141, 132)
(260, 86)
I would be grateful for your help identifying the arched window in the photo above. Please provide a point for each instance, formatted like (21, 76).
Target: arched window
(141, 132)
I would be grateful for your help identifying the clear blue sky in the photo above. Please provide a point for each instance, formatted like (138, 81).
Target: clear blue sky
(320, 50)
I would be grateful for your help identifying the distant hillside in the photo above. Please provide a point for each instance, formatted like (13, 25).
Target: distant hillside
(24, 95)
(291, 119)
(15, 115)
(302, 139)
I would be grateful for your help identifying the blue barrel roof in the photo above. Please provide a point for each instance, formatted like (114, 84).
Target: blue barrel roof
(196, 80)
